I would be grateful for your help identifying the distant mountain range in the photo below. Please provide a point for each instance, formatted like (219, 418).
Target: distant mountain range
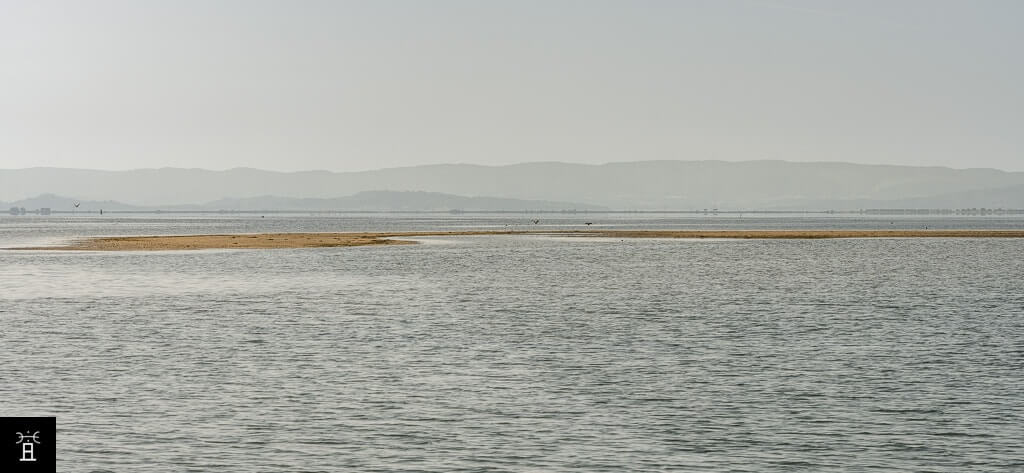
(645, 185)
(362, 201)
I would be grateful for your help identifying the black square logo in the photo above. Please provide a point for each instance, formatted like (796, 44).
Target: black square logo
(28, 444)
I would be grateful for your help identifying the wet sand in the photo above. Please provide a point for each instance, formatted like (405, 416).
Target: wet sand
(322, 240)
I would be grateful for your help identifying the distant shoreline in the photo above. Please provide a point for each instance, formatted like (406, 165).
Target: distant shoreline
(937, 211)
(327, 240)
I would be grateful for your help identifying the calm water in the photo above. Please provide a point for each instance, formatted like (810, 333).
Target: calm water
(524, 353)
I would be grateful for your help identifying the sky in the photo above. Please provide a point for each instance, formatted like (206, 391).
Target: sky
(346, 86)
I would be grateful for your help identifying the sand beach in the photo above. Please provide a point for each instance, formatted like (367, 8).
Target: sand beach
(322, 240)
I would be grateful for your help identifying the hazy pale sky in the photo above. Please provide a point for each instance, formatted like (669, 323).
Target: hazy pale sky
(295, 85)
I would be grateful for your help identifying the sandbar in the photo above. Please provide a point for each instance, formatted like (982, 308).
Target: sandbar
(324, 240)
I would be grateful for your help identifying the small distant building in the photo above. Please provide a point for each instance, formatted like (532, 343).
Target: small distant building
(44, 211)
(15, 211)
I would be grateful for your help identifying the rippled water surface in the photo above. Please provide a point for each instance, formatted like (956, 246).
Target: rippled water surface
(520, 353)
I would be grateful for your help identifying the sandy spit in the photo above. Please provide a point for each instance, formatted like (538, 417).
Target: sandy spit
(321, 240)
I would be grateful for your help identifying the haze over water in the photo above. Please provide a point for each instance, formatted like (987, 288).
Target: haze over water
(520, 353)
(536, 351)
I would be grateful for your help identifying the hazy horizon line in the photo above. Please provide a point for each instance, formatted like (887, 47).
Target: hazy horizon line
(522, 163)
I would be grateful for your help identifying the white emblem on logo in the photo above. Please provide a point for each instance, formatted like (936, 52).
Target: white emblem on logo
(28, 443)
